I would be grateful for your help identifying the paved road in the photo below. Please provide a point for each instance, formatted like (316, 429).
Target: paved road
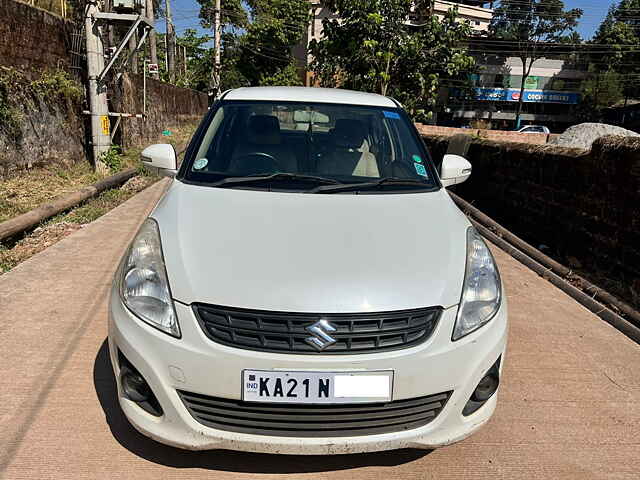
(569, 405)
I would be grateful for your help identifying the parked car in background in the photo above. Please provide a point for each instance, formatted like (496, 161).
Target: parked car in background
(306, 285)
(534, 129)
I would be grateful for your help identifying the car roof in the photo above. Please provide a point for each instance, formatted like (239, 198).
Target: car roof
(310, 95)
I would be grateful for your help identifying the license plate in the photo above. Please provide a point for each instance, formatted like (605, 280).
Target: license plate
(275, 386)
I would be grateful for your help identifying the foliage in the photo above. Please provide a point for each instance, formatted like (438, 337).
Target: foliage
(599, 91)
(619, 33)
(287, 76)
(10, 118)
(257, 39)
(199, 61)
(233, 14)
(112, 159)
(10, 114)
(57, 83)
(373, 48)
(265, 48)
(533, 27)
(17, 91)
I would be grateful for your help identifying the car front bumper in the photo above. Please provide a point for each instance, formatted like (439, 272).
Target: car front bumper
(195, 364)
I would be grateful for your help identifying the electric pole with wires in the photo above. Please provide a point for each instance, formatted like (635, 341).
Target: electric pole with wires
(217, 63)
(97, 92)
(100, 76)
(171, 44)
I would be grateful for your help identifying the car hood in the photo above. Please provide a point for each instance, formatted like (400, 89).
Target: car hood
(324, 253)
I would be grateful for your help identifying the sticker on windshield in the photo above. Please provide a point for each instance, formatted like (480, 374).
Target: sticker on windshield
(394, 115)
(420, 170)
(417, 159)
(200, 163)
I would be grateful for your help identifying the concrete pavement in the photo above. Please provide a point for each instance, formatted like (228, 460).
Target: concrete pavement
(569, 405)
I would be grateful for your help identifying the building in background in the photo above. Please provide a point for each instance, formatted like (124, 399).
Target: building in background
(471, 10)
(319, 12)
(475, 12)
(551, 96)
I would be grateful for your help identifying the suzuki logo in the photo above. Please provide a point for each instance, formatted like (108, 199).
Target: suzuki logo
(321, 338)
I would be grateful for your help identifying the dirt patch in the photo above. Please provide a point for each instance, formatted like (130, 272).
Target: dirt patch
(26, 191)
(134, 184)
(40, 238)
(57, 228)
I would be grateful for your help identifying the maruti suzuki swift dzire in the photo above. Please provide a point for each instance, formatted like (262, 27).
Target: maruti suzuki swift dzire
(307, 286)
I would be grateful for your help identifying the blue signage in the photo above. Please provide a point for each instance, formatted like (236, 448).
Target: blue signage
(530, 96)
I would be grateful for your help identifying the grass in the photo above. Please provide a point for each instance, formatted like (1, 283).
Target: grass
(6, 262)
(27, 190)
(106, 201)
(58, 227)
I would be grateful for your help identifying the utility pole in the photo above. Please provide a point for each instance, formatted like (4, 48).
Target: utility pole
(99, 111)
(184, 51)
(166, 55)
(171, 44)
(153, 42)
(133, 47)
(217, 63)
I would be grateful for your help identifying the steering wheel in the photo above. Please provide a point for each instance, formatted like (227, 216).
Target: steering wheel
(256, 162)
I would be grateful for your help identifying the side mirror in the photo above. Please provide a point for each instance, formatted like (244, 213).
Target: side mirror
(161, 158)
(454, 170)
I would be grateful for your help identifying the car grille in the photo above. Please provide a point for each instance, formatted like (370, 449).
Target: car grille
(291, 420)
(285, 332)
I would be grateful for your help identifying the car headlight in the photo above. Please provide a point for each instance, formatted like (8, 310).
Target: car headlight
(481, 291)
(144, 286)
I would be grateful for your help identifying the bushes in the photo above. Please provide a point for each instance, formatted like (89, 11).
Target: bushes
(17, 91)
(57, 83)
(112, 159)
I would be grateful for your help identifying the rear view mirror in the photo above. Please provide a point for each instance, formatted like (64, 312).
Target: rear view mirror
(161, 157)
(455, 169)
(303, 116)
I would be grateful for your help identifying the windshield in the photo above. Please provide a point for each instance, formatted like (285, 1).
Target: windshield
(296, 146)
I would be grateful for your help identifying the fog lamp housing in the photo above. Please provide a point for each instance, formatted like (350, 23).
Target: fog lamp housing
(135, 387)
(485, 389)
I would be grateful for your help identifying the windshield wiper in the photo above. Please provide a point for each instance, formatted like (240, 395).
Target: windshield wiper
(391, 181)
(231, 181)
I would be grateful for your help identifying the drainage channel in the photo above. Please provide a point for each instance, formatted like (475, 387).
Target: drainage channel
(612, 310)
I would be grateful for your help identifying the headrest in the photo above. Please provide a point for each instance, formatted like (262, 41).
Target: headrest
(264, 130)
(349, 133)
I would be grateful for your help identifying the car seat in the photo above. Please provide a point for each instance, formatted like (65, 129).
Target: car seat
(349, 155)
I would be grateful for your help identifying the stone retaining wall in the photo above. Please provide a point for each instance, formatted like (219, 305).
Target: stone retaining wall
(584, 206)
(532, 138)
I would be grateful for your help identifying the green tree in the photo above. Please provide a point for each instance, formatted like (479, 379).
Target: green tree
(532, 27)
(232, 13)
(374, 47)
(599, 91)
(197, 74)
(619, 38)
(276, 27)
(258, 40)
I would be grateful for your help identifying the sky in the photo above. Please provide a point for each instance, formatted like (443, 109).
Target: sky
(594, 13)
(185, 13)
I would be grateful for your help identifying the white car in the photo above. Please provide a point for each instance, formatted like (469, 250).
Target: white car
(534, 129)
(307, 290)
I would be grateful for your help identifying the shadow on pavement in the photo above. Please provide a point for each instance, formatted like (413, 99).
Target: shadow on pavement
(224, 460)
